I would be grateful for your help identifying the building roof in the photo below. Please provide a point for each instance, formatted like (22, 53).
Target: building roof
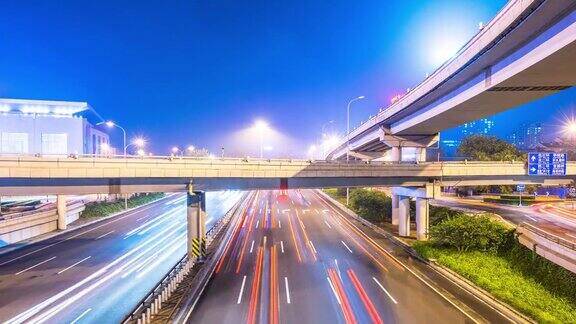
(28, 106)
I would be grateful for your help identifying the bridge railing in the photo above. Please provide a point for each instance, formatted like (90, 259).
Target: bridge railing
(549, 236)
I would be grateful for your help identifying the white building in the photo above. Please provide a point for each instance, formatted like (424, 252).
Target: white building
(48, 128)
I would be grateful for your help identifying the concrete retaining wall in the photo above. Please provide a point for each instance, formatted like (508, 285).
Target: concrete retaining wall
(552, 249)
(21, 228)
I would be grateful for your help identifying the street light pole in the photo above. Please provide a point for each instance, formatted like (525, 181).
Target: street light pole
(348, 140)
(113, 124)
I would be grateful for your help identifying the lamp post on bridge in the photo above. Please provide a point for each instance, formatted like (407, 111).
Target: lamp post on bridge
(348, 140)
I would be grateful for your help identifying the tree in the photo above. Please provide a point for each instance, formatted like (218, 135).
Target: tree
(489, 148)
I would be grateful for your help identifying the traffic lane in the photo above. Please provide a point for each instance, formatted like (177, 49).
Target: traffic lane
(52, 278)
(116, 246)
(39, 275)
(394, 293)
(218, 303)
(116, 293)
(446, 288)
(55, 243)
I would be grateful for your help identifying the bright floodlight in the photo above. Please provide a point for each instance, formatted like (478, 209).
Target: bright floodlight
(110, 123)
(175, 149)
(140, 152)
(570, 127)
(361, 97)
(191, 148)
(140, 142)
(260, 125)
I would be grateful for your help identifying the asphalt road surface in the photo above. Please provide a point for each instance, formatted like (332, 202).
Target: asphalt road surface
(297, 259)
(99, 273)
(556, 218)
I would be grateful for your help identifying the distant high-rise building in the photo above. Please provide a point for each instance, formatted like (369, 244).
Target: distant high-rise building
(481, 126)
(450, 143)
(527, 136)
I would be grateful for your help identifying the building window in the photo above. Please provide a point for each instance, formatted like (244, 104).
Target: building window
(14, 142)
(54, 143)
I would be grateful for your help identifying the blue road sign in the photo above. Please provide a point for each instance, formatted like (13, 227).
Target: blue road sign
(540, 163)
(520, 188)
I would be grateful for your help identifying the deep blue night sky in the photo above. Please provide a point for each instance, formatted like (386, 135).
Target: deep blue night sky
(196, 72)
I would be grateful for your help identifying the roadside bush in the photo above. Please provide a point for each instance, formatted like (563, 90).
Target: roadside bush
(464, 233)
(372, 205)
(105, 208)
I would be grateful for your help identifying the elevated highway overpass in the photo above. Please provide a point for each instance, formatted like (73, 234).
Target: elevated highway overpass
(526, 52)
(85, 175)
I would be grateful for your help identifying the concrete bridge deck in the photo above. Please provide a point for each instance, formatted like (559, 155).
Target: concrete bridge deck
(79, 175)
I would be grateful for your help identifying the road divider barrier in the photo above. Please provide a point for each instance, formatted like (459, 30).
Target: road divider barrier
(149, 308)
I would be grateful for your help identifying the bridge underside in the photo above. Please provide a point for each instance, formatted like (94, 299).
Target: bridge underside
(533, 60)
(79, 186)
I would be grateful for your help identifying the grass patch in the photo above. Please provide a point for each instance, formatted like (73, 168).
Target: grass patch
(336, 194)
(514, 275)
(104, 208)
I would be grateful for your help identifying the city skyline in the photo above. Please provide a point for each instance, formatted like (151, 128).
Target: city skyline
(206, 78)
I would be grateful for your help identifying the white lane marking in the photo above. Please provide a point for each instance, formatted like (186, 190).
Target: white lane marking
(384, 289)
(287, 290)
(282, 246)
(346, 246)
(573, 236)
(75, 264)
(23, 255)
(327, 224)
(252, 246)
(257, 222)
(264, 244)
(34, 266)
(333, 290)
(531, 218)
(304, 227)
(241, 291)
(103, 235)
(260, 212)
(285, 210)
(154, 241)
(305, 210)
(80, 316)
(279, 224)
(325, 210)
(313, 248)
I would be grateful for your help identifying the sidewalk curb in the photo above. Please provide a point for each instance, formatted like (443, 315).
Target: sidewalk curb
(458, 280)
(47, 236)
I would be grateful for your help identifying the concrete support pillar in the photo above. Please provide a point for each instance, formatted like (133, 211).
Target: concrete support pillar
(196, 218)
(61, 210)
(403, 216)
(395, 209)
(422, 218)
(421, 154)
(396, 154)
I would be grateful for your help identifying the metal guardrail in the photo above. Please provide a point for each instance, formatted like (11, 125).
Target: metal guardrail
(152, 302)
(549, 236)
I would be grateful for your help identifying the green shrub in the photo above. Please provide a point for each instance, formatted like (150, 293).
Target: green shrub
(441, 213)
(464, 233)
(104, 208)
(372, 205)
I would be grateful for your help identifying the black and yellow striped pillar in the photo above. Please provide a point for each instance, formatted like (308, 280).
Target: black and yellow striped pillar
(196, 218)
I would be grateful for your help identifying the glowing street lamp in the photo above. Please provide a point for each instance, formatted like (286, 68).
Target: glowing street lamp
(261, 127)
(111, 124)
(191, 148)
